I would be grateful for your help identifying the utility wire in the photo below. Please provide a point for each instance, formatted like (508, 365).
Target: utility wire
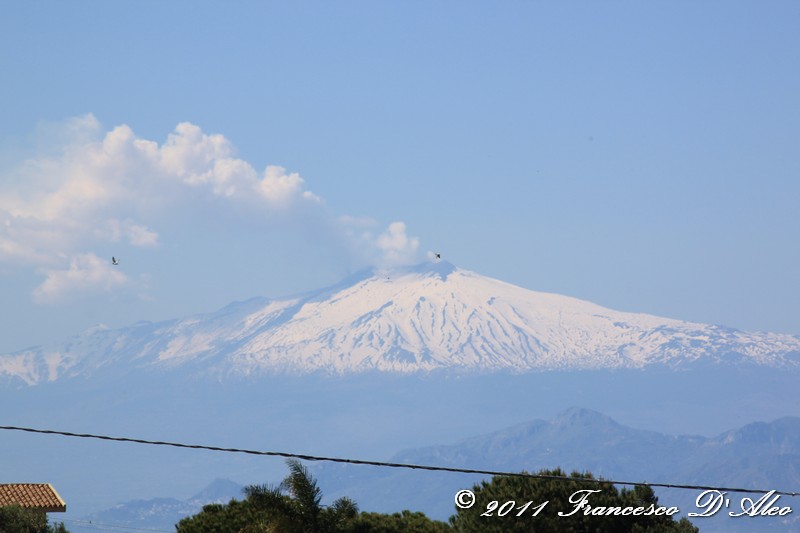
(411, 466)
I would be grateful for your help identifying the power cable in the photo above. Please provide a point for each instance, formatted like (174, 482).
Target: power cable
(410, 466)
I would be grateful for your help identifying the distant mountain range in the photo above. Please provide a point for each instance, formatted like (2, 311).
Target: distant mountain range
(396, 359)
(762, 455)
(429, 317)
(161, 513)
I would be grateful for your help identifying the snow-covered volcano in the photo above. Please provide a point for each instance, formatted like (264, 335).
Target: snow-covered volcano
(422, 318)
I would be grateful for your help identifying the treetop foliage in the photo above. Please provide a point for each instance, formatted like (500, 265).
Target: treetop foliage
(16, 519)
(600, 512)
(295, 506)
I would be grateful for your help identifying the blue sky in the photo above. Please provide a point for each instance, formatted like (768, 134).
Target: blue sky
(641, 155)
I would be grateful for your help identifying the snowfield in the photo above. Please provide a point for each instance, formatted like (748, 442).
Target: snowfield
(415, 319)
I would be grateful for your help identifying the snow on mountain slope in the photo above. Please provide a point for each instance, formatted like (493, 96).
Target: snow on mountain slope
(422, 318)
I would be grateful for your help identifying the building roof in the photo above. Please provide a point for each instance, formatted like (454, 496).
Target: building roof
(37, 496)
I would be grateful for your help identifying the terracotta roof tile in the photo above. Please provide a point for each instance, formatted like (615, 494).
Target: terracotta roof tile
(38, 496)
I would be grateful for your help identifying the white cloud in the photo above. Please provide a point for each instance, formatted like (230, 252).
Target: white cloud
(86, 273)
(280, 188)
(397, 247)
(115, 230)
(141, 236)
(103, 191)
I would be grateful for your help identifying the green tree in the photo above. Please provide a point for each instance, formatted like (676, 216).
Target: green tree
(232, 517)
(296, 503)
(561, 497)
(16, 519)
(292, 507)
(404, 522)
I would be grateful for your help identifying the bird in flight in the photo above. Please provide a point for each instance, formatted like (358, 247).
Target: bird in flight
(114, 261)
(438, 256)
